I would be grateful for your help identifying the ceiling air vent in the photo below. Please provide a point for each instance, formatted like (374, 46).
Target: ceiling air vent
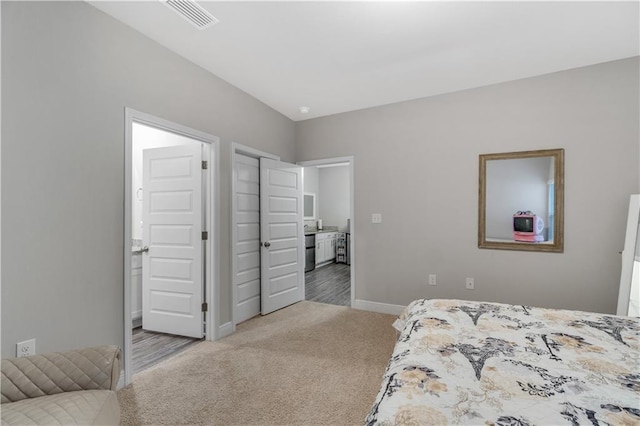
(192, 12)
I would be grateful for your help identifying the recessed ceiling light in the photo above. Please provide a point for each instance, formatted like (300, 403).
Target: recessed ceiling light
(304, 109)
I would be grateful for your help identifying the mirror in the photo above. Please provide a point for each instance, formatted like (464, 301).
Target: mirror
(521, 201)
(629, 292)
(309, 206)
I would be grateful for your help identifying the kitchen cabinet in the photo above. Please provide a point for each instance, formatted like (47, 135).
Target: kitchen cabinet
(330, 247)
(325, 247)
(319, 250)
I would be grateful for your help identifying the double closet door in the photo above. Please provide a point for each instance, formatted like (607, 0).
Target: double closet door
(269, 236)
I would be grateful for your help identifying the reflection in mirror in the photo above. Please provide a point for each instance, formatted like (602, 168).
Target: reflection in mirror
(520, 200)
(309, 206)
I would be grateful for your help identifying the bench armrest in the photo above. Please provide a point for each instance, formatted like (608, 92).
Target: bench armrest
(48, 374)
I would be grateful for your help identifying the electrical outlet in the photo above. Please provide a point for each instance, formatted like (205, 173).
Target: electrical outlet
(26, 348)
(432, 279)
(470, 283)
(376, 218)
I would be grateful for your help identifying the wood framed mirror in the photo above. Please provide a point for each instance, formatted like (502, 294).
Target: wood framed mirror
(521, 201)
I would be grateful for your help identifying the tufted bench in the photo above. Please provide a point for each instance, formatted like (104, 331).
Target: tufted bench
(70, 388)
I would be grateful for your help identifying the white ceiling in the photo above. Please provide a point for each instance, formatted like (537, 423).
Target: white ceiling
(335, 57)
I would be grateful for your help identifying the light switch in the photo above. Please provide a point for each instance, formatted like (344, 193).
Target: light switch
(376, 218)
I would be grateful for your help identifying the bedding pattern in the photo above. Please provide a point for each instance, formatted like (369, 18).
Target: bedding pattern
(462, 362)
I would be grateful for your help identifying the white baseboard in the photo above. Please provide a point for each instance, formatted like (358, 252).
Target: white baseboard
(225, 330)
(383, 308)
(136, 322)
(120, 384)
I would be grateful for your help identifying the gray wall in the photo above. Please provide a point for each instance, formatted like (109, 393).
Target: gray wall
(334, 196)
(417, 163)
(68, 72)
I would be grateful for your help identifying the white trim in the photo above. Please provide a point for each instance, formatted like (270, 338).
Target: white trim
(212, 260)
(212, 316)
(121, 380)
(383, 308)
(250, 152)
(226, 329)
(349, 161)
(237, 148)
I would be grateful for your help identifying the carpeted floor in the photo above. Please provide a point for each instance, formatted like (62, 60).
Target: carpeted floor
(307, 364)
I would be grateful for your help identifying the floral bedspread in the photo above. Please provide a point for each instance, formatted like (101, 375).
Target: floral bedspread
(461, 362)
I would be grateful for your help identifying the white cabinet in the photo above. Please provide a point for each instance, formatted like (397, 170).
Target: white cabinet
(330, 247)
(325, 247)
(320, 256)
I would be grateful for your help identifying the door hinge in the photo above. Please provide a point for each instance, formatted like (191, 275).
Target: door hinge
(205, 235)
(205, 165)
(205, 307)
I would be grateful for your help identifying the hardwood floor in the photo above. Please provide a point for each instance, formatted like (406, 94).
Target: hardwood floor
(329, 284)
(150, 348)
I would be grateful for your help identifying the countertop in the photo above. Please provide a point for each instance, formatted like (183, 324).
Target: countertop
(312, 231)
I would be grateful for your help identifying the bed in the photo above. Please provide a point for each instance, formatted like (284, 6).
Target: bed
(462, 362)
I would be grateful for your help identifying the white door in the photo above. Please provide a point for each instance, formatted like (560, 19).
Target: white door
(282, 235)
(246, 277)
(172, 282)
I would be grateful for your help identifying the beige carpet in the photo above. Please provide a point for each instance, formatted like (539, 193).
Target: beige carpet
(307, 364)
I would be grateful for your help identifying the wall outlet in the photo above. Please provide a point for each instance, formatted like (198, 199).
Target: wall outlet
(26, 348)
(470, 283)
(376, 218)
(432, 279)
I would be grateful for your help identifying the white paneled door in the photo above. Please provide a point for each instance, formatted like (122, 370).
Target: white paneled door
(172, 283)
(282, 235)
(246, 279)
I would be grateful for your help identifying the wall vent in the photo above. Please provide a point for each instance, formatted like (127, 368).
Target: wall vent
(192, 12)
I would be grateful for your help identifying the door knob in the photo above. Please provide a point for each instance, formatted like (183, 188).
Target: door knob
(142, 250)
(267, 244)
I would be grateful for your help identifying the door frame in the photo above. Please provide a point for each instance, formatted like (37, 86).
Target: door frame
(352, 209)
(212, 222)
(237, 148)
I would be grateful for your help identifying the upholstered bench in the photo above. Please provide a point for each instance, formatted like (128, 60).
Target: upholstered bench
(70, 388)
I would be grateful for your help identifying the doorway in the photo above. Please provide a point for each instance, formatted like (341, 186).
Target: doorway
(170, 233)
(330, 185)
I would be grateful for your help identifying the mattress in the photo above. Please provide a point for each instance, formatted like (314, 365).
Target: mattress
(462, 362)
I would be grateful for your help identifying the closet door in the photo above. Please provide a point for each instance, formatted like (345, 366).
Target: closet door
(246, 276)
(282, 235)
